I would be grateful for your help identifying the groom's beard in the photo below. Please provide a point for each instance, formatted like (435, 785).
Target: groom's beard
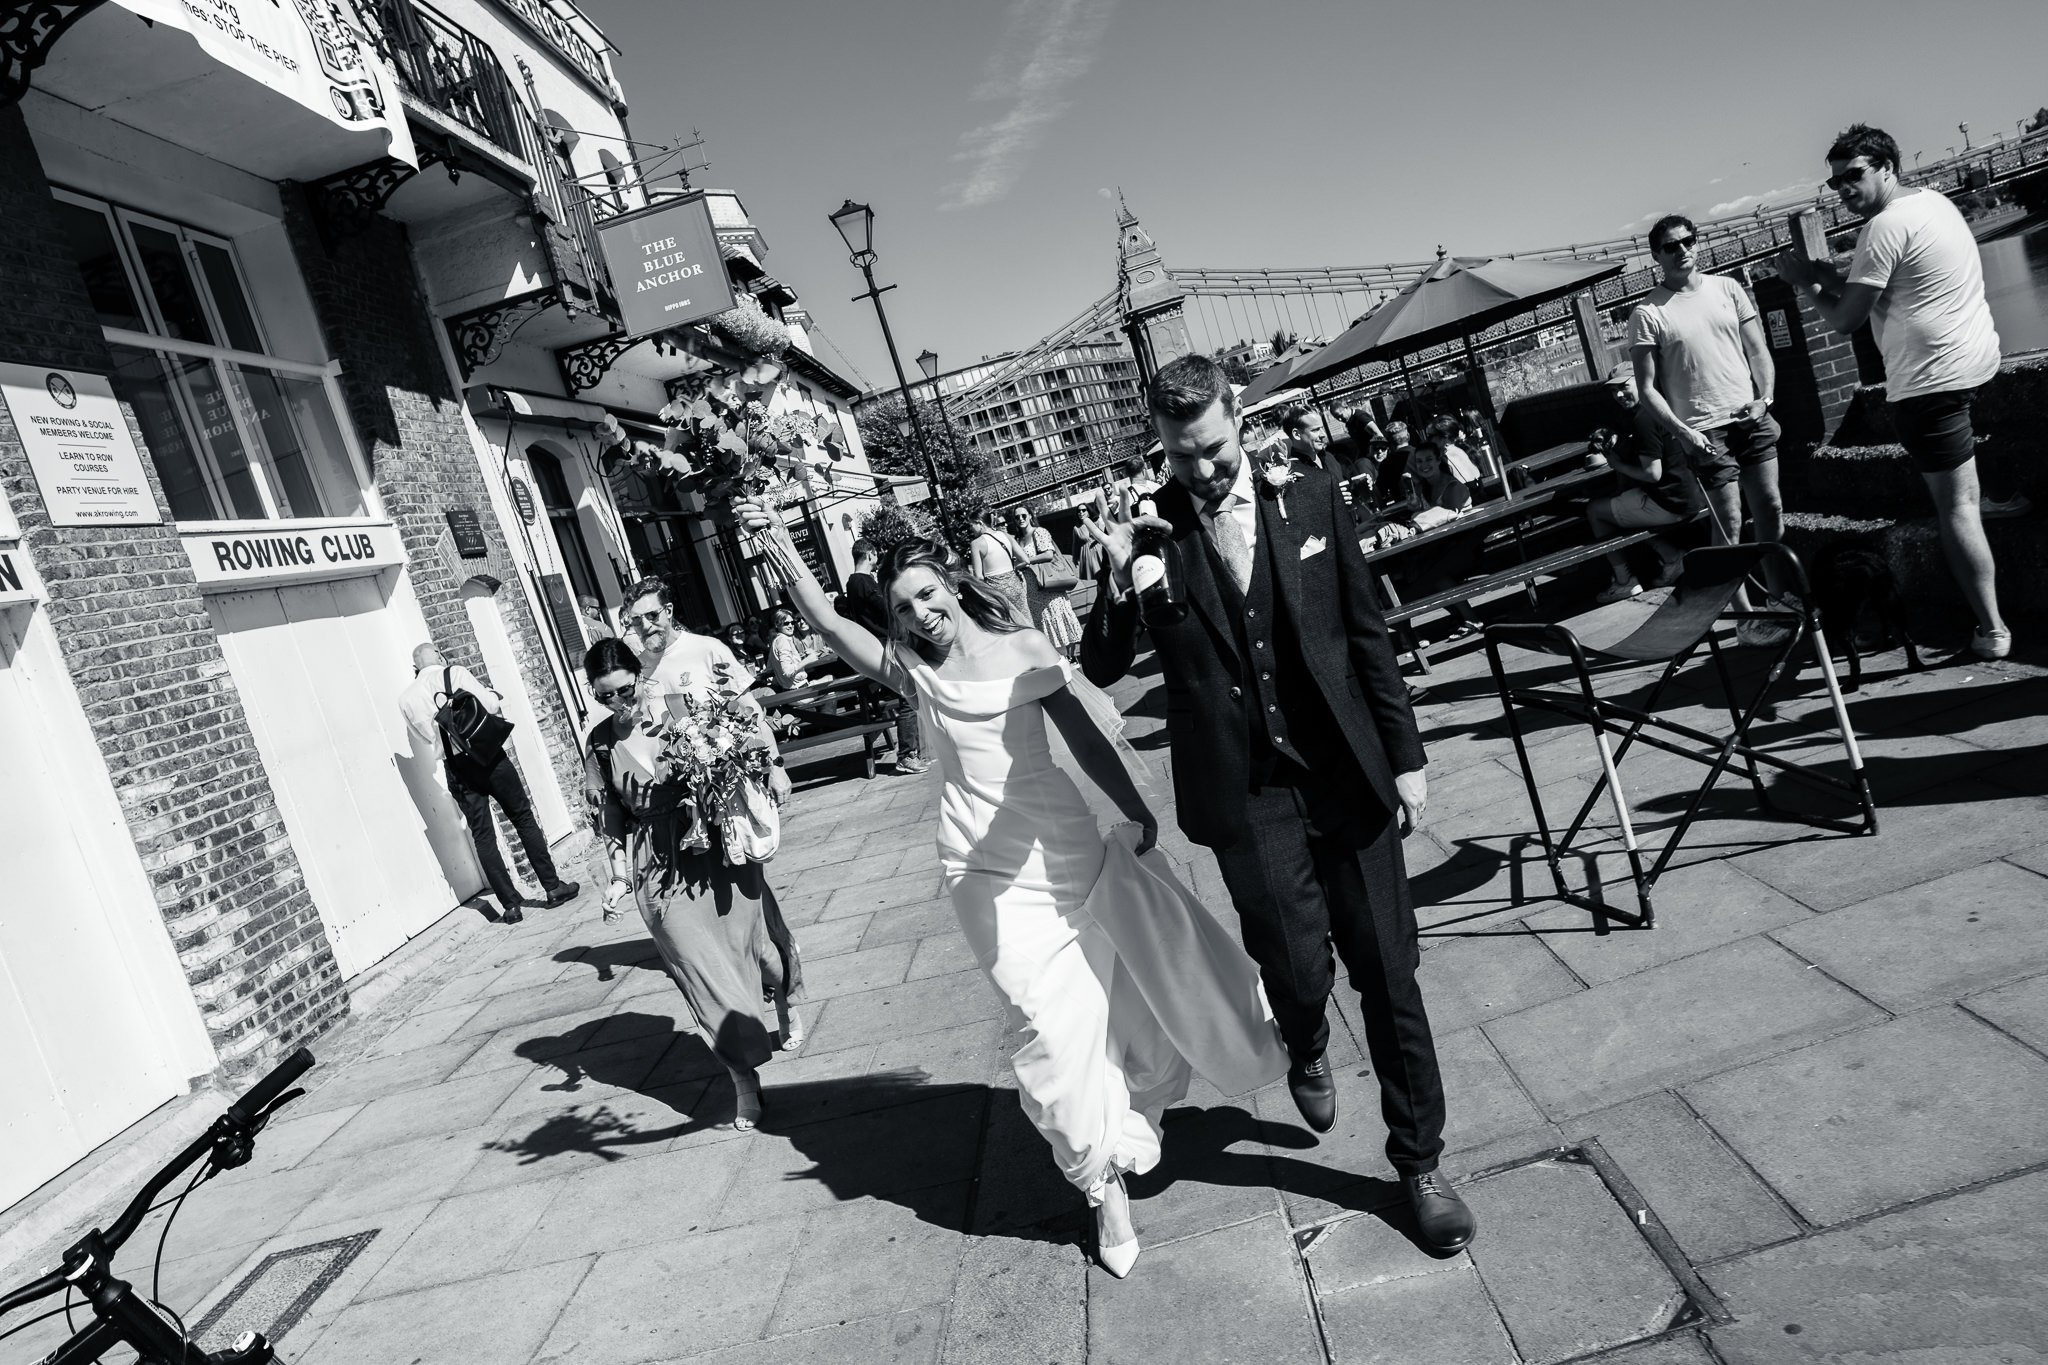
(1206, 491)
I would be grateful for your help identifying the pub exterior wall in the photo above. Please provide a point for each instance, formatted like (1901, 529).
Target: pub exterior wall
(135, 635)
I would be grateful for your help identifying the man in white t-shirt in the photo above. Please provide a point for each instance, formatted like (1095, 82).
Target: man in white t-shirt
(1704, 372)
(1917, 278)
(675, 660)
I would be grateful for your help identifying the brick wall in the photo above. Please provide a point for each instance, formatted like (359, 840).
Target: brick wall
(1836, 367)
(140, 647)
(407, 411)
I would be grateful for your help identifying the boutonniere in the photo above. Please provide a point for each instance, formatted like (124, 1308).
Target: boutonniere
(1276, 477)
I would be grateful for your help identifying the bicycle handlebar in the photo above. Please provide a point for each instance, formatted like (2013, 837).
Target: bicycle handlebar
(265, 1092)
(239, 1120)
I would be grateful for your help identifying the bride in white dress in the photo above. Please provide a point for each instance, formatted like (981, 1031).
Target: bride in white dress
(1127, 986)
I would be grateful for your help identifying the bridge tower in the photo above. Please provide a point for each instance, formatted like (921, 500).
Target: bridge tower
(1148, 300)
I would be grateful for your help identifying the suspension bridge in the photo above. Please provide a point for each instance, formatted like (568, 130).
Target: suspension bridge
(1225, 307)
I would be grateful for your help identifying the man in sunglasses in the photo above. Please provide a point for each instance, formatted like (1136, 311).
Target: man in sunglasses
(1704, 372)
(675, 660)
(1917, 278)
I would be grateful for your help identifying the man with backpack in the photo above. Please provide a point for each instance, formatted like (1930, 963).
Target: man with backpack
(441, 707)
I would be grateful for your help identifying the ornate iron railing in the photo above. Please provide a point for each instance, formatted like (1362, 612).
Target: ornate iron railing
(447, 68)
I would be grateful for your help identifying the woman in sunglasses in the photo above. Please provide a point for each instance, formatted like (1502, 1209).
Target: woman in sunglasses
(709, 919)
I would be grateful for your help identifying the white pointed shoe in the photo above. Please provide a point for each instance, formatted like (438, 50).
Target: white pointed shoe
(1119, 1259)
(1116, 1257)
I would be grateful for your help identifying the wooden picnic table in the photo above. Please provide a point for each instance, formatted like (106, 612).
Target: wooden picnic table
(1513, 514)
(1544, 459)
(839, 708)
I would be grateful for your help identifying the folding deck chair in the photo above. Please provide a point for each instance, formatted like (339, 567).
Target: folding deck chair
(1675, 632)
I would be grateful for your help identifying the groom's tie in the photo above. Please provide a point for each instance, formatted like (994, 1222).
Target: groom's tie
(1227, 538)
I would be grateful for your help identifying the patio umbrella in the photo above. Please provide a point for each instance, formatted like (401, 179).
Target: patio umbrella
(1458, 296)
(1271, 380)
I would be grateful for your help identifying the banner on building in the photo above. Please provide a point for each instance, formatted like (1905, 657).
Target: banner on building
(79, 447)
(665, 265)
(303, 50)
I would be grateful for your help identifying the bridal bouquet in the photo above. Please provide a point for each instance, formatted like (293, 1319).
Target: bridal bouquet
(711, 750)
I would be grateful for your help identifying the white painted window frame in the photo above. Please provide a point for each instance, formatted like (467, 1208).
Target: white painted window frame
(228, 362)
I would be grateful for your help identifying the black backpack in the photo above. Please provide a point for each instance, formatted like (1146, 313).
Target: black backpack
(467, 727)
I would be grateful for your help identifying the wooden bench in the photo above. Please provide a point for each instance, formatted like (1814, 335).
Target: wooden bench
(841, 708)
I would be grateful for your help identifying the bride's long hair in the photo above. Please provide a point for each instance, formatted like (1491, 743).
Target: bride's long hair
(982, 604)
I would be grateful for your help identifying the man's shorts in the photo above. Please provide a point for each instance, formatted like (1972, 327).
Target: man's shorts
(1741, 444)
(1935, 429)
(1633, 509)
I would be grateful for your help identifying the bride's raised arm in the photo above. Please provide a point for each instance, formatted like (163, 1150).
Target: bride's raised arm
(852, 641)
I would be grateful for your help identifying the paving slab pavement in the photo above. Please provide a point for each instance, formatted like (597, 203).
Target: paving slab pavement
(1824, 1073)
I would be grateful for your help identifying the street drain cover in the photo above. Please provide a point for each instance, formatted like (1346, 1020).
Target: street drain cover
(272, 1298)
(1569, 1262)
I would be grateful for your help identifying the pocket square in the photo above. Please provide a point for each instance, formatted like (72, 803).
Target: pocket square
(1314, 545)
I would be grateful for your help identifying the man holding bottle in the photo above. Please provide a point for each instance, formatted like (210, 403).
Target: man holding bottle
(1296, 758)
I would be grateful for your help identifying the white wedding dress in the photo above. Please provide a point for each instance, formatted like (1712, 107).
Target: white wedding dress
(1126, 986)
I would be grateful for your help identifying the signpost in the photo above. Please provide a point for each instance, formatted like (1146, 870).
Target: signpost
(665, 265)
(85, 462)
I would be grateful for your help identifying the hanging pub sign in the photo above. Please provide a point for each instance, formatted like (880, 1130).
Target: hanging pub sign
(86, 464)
(665, 265)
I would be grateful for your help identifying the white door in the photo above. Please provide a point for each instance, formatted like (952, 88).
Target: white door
(528, 746)
(319, 671)
(85, 1046)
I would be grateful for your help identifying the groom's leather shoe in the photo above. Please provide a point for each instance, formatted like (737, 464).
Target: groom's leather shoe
(1315, 1092)
(1442, 1219)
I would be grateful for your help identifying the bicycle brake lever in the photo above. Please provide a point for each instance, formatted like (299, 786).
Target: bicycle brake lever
(270, 1111)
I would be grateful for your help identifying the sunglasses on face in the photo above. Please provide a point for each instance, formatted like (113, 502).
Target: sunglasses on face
(646, 618)
(619, 694)
(1677, 244)
(1853, 176)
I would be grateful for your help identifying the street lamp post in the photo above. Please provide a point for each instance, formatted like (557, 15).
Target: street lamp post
(1964, 129)
(928, 361)
(856, 225)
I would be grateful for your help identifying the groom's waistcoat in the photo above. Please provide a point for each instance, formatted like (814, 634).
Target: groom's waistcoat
(1288, 722)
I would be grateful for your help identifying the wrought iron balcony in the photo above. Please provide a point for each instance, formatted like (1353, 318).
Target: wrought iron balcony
(449, 69)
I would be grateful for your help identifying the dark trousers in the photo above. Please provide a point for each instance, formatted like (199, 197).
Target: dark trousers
(474, 786)
(1318, 868)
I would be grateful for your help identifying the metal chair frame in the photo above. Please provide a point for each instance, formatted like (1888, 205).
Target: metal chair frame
(1715, 571)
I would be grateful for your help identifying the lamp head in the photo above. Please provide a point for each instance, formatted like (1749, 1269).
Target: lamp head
(928, 361)
(856, 224)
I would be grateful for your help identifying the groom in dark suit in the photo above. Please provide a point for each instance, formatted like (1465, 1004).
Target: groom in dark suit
(1295, 753)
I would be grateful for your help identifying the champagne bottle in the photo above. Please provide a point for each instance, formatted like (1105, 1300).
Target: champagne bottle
(1156, 574)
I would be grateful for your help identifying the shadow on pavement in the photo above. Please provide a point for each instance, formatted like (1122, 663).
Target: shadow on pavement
(606, 958)
(893, 1136)
(1197, 1147)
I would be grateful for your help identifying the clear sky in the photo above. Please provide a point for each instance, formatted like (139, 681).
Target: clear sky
(988, 136)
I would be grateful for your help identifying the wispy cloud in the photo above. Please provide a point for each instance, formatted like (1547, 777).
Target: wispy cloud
(1046, 46)
(1798, 189)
